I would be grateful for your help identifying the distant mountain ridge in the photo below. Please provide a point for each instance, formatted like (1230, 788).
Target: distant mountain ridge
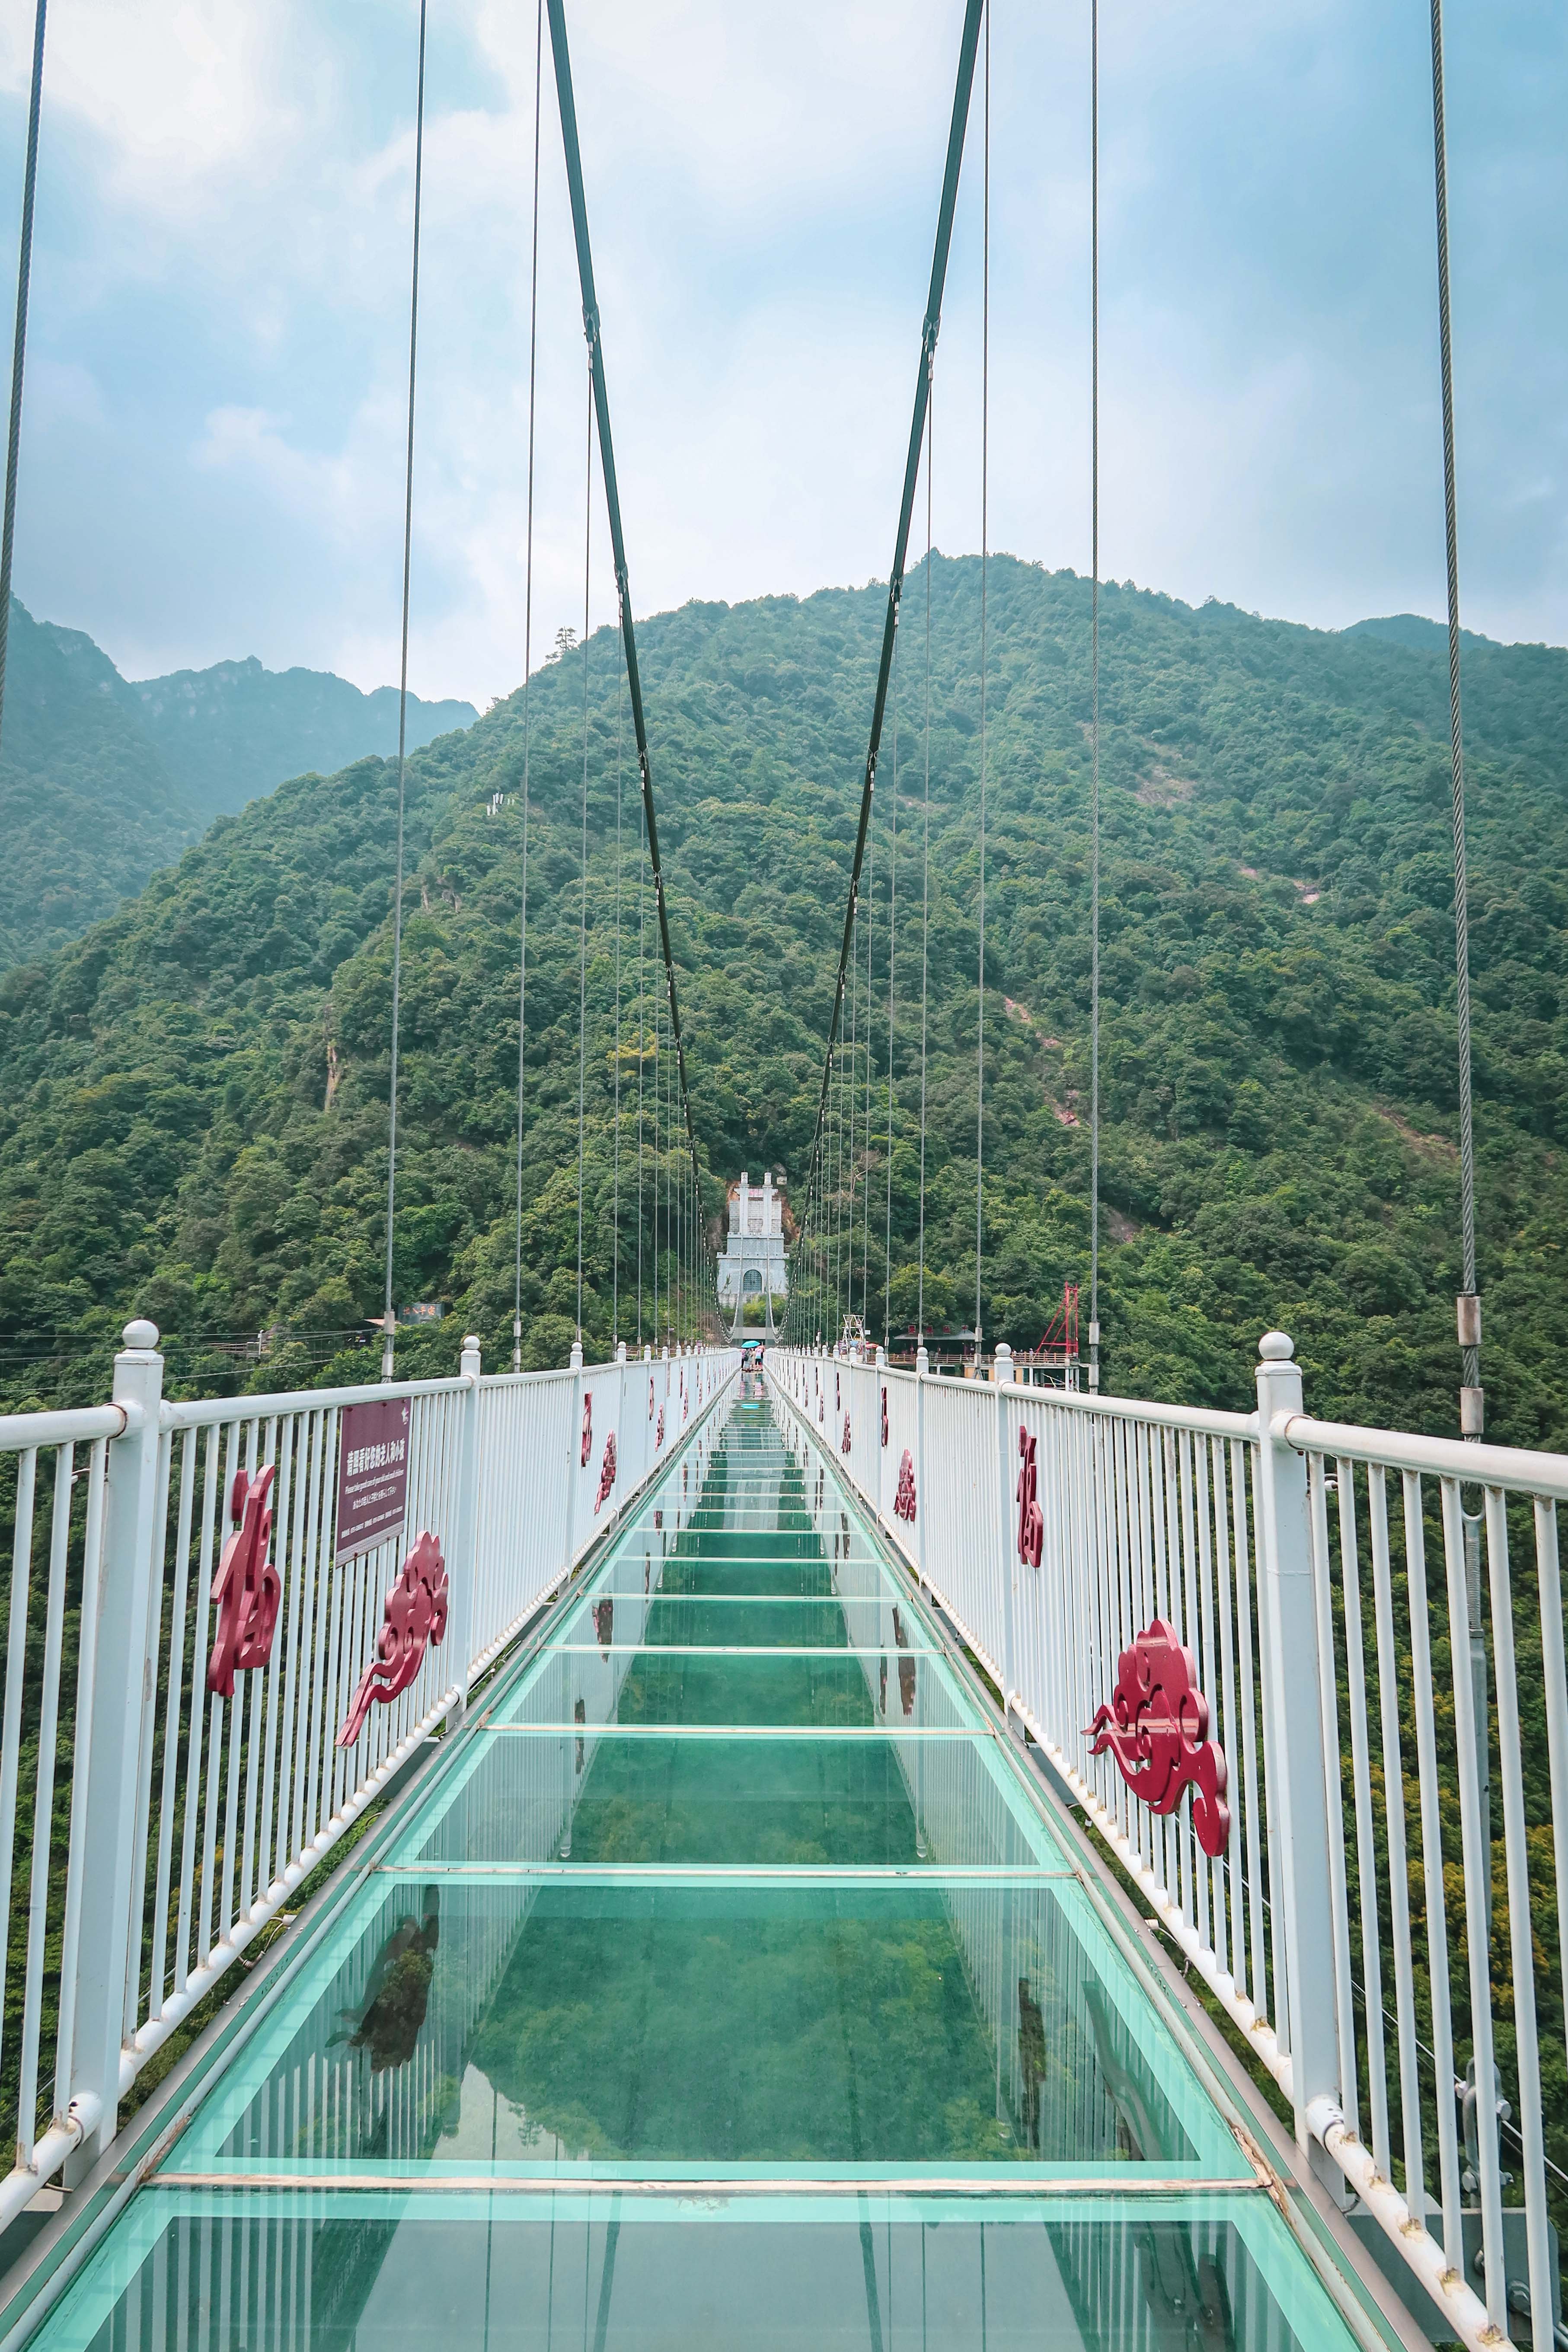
(103, 780)
(236, 730)
(1415, 632)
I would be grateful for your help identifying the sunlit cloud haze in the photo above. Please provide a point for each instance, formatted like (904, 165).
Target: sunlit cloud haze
(212, 441)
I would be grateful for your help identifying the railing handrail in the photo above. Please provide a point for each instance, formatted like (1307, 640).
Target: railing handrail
(1516, 1469)
(74, 1425)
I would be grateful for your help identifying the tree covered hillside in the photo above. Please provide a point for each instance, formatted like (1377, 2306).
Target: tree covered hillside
(194, 1126)
(102, 782)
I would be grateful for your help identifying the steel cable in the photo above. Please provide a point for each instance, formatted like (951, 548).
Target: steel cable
(1094, 695)
(985, 566)
(389, 1325)
(620, 754)
(925, 869)
(527, 668)
(892, 955)
(1470, 1352)
(583, 895)
(19, 340)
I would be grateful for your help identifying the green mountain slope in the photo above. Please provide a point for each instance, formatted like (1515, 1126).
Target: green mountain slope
(102, 782)
(196, 1118)
(232, 732)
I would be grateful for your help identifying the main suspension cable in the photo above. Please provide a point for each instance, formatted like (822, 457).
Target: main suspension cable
(19, 338)
(925, 878)
(892, 956)
(620, 750)
(560, 53)
(389, 1324)
(1472, 1397)
(527, 667)
(1094, 695)
(929, 331)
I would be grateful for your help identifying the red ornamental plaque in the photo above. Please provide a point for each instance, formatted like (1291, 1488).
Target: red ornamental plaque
(884, 1412)
(587, 1427)
(650, 1400)
(659, 1433)
(1031, 1525)
(373, 1475)
(846, 1442)
(904, 1500)
(416, 1618)
(607, 1473)
(1156, 1727)
(245, 1589)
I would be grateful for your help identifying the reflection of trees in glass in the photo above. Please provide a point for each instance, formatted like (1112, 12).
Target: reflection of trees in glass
(389, 2017)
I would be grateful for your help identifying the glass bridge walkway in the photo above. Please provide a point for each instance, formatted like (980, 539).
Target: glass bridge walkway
(721, 1984)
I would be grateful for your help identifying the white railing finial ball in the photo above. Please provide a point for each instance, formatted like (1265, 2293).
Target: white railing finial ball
(1276, 1346)
(141, 1333)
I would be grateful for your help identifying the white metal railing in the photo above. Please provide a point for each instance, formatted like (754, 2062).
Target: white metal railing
(1385, 1913)
(152, 1823)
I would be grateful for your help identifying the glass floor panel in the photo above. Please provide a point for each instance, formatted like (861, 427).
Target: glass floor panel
(728, 1937)
(210, 2271)
(745, 1621)
(698, 2025)
(675, 1798)
(838, 1689)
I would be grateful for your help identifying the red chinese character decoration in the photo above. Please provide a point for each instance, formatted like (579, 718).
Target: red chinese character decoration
(650, 1400)
(1156, 1727)
(846, 1442)
(1031, 1525)
(245, 1589)
(884, 1412)
(659, 1433)
(607, 1473)
(587, 1427)
(904, 1500)
(416, 1618)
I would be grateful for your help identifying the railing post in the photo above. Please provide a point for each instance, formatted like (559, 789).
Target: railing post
(922, 1369)
(466, 1546)
(881, 1449)
(1002, 1372)
(111, 1905)
(574, 1453)
(1298, 1797)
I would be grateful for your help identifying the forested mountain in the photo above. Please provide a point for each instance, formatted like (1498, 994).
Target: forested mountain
(102, 782)
(232, 732)
(194, 1122)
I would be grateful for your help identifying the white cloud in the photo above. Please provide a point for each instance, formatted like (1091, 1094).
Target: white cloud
(213, 445)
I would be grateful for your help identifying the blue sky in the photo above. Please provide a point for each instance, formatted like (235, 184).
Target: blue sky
(212, 427)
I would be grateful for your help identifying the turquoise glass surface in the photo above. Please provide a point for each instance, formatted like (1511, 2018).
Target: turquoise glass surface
(551, 2272)
(727, 1985)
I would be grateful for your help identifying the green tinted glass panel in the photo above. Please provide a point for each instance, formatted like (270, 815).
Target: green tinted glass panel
(209, 2271)
(824, 1686)
(834, 2025)
(620, 1796)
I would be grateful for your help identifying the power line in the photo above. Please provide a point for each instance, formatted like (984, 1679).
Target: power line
(1094, 696)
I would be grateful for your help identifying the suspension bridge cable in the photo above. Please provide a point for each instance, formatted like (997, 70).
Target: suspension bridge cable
(985, 567)
(389, 1325)
(642, 1053)
(527, 667)
(870, 943)
(1472, 1395)
(925, 878)
(892, 956)
(620, 753)
(19, 340)
(1094, 695)
(930, 329)
(601, 403)
(583, 895)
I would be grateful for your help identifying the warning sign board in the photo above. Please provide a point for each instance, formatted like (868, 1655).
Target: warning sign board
(373, 1475)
